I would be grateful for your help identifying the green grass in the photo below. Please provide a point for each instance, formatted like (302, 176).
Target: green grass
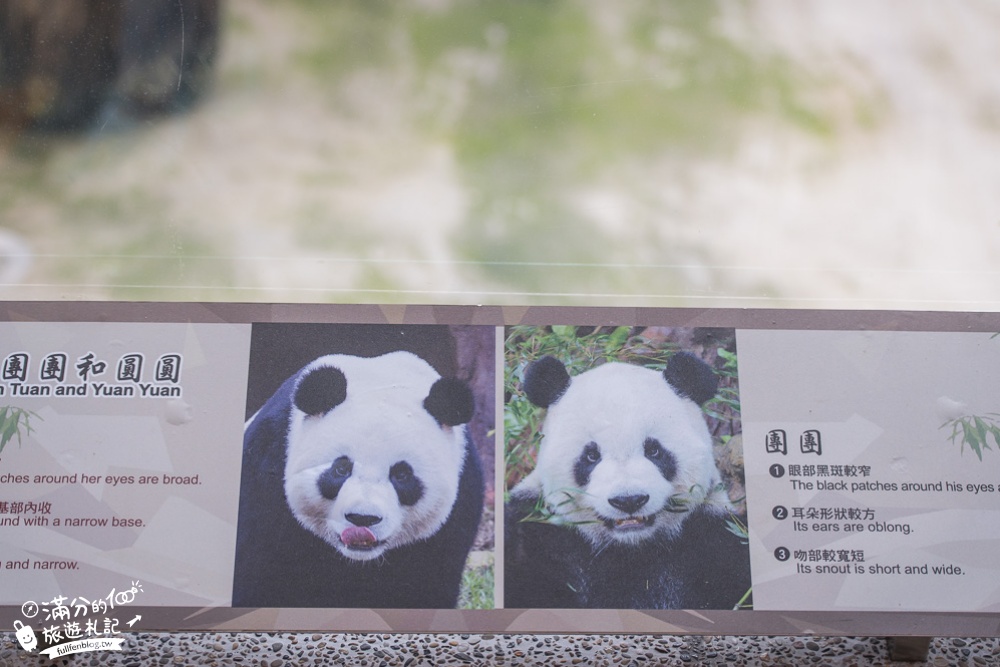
(477, 587)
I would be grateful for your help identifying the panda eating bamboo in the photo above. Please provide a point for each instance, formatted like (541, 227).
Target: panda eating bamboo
(625, 508)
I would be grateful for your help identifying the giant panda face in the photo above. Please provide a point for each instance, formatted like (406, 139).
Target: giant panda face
(375, 451)
(625, 450)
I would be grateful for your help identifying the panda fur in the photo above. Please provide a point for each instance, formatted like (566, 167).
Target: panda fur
(625, 508)
(360, 488)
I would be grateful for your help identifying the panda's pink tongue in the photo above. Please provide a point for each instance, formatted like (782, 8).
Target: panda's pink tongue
(358, 537)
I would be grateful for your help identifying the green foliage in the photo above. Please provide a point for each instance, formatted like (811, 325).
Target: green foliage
(726, 403)
(735, 526)
(743, 603)
(14, 421)
(739, 529)
(554, 512)
(477, 587)
(975, 431)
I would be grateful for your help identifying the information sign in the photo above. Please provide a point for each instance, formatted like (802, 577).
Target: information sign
(226, 466)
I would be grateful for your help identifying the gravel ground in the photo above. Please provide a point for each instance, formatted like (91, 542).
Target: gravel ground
(276, 650)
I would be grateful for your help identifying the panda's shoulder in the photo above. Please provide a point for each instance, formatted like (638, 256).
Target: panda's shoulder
(712, 550)
(522, 503)
(266, 430)
(708, 525)
(526, 515)
(539, 557)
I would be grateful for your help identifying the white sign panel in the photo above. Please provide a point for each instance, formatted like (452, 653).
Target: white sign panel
(873, 469)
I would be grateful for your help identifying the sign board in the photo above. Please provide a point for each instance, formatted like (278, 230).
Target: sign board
(158, 463)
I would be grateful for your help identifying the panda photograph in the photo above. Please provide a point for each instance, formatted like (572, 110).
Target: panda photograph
(624, 470)
(363, 480)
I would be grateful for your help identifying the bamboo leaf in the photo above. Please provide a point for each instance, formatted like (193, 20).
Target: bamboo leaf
(969, 436)
(564, 331)
(981, 432)
(8, 433)
(617, 338)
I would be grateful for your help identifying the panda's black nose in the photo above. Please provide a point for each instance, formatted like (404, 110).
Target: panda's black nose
(364, 520)
(629, 504)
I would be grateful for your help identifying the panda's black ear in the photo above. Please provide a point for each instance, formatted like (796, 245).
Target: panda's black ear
(321, 390)
(691, 377)
(545, 381)
(450, 402)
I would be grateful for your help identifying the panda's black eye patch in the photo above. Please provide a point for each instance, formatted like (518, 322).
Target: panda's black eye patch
(332, 479)
(653, 449)
(401, 472)
(586, 463)
(409, 490)
(661, 458)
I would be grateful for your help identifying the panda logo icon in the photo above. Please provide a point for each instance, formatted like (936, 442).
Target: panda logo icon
(625, 507)
(360, 488)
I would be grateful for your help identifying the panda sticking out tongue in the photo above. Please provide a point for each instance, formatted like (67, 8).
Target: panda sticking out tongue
(358, 537)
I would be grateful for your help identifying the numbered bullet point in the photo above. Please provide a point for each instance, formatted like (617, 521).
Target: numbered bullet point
(782, 554)
(777, 470)
(780, 512)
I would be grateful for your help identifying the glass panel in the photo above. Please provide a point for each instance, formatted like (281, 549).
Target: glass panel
(700, 153)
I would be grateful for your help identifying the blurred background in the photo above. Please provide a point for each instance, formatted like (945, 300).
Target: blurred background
(692, 153)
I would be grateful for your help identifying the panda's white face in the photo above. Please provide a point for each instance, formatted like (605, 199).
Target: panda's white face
(623, 455)
(375, 471)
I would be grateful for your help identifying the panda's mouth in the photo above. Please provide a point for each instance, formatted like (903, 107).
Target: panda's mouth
(359, 538)
(630, 523)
